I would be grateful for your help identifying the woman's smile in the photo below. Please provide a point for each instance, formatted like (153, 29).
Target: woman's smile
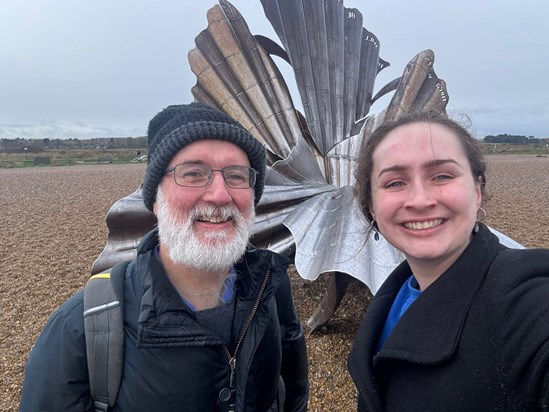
(427, 224)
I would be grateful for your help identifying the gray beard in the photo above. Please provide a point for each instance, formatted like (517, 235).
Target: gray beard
(216, 252)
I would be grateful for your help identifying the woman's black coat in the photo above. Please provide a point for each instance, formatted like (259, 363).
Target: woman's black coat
(477, 339)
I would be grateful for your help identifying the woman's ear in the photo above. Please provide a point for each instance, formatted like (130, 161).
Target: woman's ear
(370, 211)
(478, 190)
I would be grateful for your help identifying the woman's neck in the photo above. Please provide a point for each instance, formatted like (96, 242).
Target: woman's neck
(426, 271)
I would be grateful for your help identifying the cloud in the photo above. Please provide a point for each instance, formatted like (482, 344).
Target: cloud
(523, 120)
(113, 64)
(65, 130)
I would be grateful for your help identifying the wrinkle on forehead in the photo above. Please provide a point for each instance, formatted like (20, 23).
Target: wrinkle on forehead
(212, 152)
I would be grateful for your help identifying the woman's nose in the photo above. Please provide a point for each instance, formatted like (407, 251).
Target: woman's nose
(420, 195)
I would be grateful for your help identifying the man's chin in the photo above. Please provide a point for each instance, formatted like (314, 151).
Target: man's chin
(214, 239)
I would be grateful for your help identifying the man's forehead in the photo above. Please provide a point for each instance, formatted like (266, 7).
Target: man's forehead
(211, 150)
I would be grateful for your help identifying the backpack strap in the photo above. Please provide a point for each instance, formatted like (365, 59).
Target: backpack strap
(104, 330)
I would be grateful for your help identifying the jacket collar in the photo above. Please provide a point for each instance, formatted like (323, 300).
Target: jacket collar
(161, 322)
(429, 331)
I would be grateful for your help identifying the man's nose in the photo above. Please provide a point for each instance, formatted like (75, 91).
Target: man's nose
(217, 191)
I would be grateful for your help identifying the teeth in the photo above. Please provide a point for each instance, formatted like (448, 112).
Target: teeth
(213, 219)
(423, 225)
(211, 214)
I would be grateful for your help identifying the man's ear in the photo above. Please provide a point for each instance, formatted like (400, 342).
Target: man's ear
(155, 204)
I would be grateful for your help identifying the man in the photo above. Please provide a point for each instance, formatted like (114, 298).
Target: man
(209, 322)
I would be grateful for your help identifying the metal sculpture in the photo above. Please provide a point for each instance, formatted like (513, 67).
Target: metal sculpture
(307, 210)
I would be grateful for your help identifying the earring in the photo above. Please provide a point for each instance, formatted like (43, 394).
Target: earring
(376, 230)
(476, 228)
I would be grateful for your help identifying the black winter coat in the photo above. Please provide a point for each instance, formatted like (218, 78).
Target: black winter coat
(477, 339)
(171, 362)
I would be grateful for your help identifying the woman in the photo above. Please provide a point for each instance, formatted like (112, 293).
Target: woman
(463, 323)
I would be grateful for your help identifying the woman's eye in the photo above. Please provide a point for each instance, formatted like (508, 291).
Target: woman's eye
(394, 184)
(443, 177)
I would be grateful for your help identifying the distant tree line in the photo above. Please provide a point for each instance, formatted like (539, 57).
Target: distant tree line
(512, 139)
(40, 145)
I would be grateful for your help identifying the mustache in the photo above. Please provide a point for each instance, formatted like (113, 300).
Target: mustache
(211, 212)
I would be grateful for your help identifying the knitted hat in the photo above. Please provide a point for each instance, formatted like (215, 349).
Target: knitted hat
(177, 126)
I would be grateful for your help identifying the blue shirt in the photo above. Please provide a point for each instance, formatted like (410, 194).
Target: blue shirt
(228, 286)
(407, 294)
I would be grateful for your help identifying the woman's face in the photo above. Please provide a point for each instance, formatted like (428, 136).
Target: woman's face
(424, 196)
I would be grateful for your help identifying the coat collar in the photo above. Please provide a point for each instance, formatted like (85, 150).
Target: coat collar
(161, 322)
(429, 331)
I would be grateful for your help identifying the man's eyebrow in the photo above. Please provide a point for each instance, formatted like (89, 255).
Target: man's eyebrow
(432, 163)
(192, 161)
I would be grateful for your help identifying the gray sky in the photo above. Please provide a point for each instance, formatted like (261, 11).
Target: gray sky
(103, 68)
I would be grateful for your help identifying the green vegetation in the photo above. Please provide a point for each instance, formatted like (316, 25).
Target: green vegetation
(56, 157)
(503, 149)
(39, 145)
(513, 144)
(58, 152)
(513, 139)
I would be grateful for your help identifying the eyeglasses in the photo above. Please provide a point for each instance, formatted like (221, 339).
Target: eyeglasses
(199, 175)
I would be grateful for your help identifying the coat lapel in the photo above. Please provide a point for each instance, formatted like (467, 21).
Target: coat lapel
(429, 331)
(360, 358)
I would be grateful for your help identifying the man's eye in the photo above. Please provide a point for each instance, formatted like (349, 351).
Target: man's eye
(236, 177)
(443, 177)
(193, 173)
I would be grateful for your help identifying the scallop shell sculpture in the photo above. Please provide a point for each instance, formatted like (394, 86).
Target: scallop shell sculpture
(307, 210)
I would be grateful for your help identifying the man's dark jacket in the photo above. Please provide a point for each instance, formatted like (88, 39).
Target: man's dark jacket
(477, 339)
(171, 362)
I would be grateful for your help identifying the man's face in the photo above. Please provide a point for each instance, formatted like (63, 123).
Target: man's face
(205, 227)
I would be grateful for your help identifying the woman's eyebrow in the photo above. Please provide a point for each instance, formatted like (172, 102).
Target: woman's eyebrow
(395, 168)
(429, 164)
(439, 162)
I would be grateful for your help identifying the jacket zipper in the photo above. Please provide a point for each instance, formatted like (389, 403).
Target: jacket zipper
(232, 358)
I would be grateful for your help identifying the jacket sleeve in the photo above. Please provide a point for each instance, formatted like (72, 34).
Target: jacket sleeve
(56, 374)
(294, 369)
(361, 405)
(522, 286)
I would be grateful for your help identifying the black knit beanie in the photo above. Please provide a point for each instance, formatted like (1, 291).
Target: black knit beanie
(177, 126)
